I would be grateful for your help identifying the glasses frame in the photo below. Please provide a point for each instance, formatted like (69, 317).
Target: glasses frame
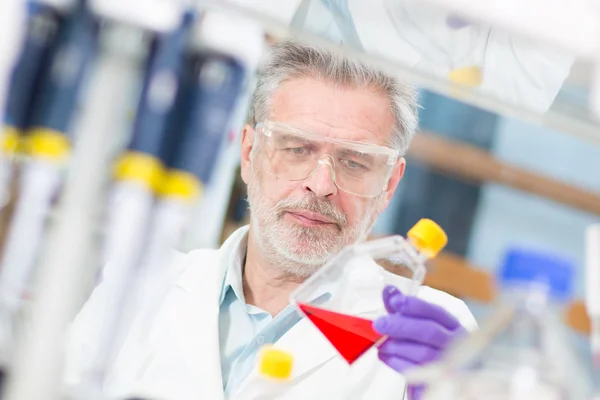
(267, 126)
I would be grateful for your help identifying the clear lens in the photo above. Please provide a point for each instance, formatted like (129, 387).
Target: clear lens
(357, 169)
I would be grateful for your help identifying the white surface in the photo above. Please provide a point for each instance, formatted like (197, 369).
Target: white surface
(282, 11)
(592, 280)
(155, 15)
(573, 25)
(595, 89)
(592, 273)
(515, 71)
(237, 36)
(263, 388)
(12, 21)
(58, 4)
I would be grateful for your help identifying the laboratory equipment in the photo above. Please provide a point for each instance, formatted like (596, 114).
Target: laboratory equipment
(522, 351)
(47, 116)
(20, 69)
(345, 296)
(275, 368)
(12, 19)
(114, 77)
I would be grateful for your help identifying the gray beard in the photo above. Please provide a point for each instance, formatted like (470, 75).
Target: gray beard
(296, 250)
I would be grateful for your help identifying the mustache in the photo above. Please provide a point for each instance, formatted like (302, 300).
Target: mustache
(313, 204)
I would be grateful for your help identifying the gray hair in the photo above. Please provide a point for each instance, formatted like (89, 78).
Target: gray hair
(289, 59)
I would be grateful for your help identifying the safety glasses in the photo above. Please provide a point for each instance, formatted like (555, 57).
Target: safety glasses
(361, 169)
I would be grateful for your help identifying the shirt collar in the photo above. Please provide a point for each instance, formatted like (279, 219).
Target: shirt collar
(233, 276)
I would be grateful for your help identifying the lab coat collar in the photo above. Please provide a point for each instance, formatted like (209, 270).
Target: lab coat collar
(202, 282)
(219, 263)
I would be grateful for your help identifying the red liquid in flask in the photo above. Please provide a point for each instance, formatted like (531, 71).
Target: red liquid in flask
(351, 336)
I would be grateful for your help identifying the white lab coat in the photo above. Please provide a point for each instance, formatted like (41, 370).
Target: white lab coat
(179, 358)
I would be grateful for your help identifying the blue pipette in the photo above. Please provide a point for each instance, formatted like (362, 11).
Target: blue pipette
(40, 31)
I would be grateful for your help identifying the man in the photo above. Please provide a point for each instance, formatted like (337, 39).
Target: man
(321, 158)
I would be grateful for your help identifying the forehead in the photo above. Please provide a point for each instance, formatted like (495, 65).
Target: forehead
(327, 109)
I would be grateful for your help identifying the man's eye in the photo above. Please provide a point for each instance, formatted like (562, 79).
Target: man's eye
(354, 165)
(298, 151)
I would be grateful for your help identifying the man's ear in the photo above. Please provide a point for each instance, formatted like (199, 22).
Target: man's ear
(247, 145)
(397, 174)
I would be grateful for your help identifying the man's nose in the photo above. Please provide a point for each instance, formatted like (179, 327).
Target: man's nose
(321, 181)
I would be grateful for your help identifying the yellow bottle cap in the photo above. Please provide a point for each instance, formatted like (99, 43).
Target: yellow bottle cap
(275, 363)
(428, 237)
(467, 76)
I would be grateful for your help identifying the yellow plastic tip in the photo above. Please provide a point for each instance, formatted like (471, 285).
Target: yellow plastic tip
(9, 141)
(140, 167)
(275, 363)
(428, 237)
(182, 185)
(48, 144)
(467, 76)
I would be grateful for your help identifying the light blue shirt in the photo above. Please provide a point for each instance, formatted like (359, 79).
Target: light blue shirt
(244, 328)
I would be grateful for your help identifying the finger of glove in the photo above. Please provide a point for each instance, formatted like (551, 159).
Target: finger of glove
(425, 331)
(396, 363)
(415, 392)
(393, 299)
(415, 307)
(412, 351)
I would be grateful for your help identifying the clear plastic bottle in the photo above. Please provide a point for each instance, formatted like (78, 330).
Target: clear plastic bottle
(522, 352)
(344, 297)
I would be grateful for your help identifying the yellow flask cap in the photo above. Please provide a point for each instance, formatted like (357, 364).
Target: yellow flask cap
(428, 237)
(467, 76)
(275, 363)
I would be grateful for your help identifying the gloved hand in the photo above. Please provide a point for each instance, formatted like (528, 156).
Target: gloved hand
(418, 332)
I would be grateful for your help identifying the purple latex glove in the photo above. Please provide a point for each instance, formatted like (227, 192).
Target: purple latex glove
(418, 332)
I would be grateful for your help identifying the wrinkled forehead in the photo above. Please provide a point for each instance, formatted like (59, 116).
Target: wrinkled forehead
(327, 109)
